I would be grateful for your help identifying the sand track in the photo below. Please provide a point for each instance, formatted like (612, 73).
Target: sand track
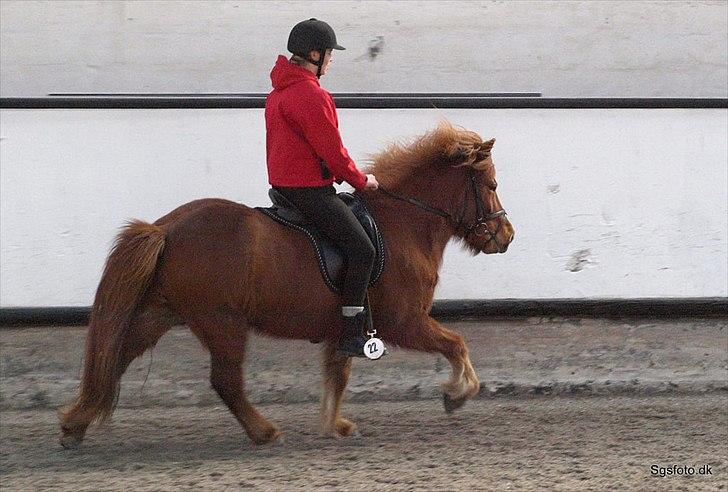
(538, 443)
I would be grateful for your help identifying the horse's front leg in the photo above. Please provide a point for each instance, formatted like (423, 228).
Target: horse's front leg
(431, 336)
(336, 376)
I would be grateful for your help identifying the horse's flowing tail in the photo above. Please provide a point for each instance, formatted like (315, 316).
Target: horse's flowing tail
(128, 273)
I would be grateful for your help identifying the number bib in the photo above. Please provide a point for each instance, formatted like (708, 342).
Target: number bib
(374, 348)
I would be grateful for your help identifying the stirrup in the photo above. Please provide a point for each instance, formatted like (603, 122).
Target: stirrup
(350, 351)
(372, 349)
(352, 342)
(340, 352)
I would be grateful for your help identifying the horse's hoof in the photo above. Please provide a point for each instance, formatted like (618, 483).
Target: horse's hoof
(278, 442)
(451, 404)
(271, 437)
(70, 441)
(346, 428)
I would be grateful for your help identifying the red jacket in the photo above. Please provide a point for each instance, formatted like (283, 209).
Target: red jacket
(302, 132)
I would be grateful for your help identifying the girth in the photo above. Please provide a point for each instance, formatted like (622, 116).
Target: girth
(331, 260)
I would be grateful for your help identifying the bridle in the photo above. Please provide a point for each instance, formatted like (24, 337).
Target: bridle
(479, 227)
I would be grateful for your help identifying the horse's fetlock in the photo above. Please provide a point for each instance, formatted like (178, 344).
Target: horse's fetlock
(74, 418)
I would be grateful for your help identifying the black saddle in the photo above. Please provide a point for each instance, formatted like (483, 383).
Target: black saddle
(331, 260)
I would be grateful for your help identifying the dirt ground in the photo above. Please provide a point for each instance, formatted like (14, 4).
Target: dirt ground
(40, 367)
(534, 443)
(565, 404)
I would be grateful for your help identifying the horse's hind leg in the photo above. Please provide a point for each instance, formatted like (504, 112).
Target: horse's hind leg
(226, 339)
(433, 337)
(336, 376)
(143, 333)
(227, 379)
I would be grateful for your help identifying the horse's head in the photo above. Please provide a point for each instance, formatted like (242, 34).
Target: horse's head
(449, 172)
(481, 220)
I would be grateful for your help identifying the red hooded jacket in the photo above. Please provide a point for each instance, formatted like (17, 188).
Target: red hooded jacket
(303, 143)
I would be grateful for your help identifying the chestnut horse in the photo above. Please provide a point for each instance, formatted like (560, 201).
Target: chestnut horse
(224, 269)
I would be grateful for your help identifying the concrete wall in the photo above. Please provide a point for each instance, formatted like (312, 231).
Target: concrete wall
(606, 203)
(560, 48)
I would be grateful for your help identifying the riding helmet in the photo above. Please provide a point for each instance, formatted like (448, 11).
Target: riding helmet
(312, 35)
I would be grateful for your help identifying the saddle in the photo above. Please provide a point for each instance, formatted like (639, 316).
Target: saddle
(331, 260)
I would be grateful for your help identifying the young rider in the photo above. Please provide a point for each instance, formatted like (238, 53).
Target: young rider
(305, 156)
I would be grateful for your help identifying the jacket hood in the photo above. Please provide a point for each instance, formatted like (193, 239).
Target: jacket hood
(285, 74)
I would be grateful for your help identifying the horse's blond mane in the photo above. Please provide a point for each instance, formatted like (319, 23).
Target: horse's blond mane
(400, 159)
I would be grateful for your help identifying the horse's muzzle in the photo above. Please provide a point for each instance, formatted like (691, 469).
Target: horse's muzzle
(498, 242)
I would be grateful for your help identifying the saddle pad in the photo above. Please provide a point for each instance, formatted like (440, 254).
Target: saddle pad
(331, 260)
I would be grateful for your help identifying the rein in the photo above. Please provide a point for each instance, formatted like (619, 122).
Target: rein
(480, 227)
(416, 203)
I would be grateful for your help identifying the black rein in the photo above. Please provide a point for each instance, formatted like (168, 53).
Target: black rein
(480, 222)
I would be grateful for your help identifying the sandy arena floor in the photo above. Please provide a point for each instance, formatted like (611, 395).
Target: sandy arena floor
(565, 404)
(538, 443)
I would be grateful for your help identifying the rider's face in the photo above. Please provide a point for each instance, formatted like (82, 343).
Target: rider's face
(327, 59)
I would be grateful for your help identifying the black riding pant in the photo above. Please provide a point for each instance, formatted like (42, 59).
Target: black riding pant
(334, 218)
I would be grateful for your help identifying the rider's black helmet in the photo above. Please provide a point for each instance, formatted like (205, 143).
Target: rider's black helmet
(312, 35)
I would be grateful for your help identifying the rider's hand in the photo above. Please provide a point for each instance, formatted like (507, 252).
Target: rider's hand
(372, 183)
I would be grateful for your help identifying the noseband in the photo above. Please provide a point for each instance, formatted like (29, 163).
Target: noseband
(479, 227)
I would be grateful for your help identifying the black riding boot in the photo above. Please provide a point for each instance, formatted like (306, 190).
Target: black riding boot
(353, 338)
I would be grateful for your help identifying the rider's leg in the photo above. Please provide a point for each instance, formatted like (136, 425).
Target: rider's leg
(334, 218)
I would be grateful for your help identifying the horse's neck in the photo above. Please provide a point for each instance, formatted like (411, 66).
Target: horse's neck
(408, 228)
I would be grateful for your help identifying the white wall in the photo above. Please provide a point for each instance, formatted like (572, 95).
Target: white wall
(606, 203)
(585, 48)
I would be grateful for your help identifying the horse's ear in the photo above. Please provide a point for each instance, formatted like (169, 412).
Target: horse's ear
(484, 149)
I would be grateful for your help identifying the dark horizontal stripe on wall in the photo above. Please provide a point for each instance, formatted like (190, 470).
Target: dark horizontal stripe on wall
(43, 316)
(359, 101)
(338, 94)
(452, 309)
(597, 308)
